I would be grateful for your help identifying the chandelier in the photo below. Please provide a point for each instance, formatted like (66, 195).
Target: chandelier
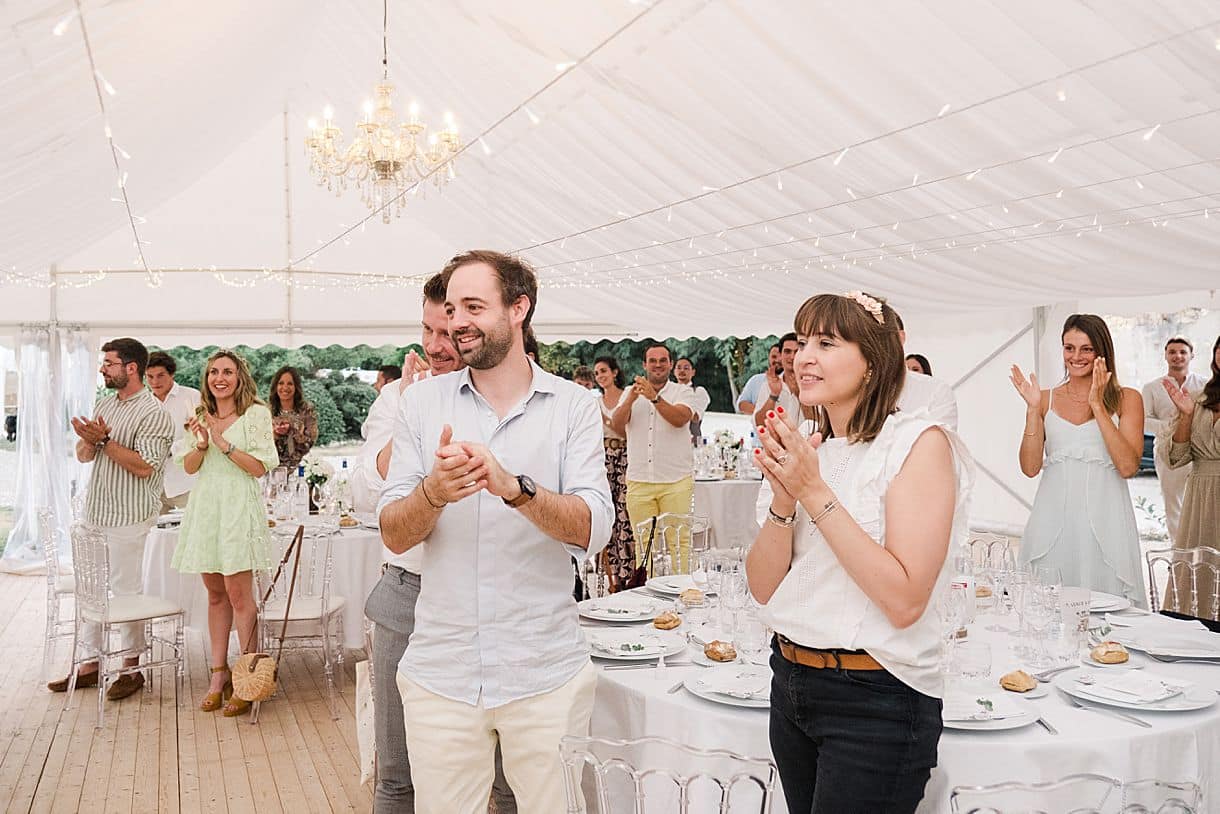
(387, 156)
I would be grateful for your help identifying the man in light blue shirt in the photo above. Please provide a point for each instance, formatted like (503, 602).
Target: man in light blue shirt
(753, 391)
(498, 473)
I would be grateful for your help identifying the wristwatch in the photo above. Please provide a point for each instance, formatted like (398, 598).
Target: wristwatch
(101, 445)
(654, 401)
(528, 490)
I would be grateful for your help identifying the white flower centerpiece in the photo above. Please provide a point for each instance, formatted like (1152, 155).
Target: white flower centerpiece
(317, 474)
(728, 447)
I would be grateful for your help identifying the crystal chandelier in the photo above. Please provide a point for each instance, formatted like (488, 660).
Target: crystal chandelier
(387, 156)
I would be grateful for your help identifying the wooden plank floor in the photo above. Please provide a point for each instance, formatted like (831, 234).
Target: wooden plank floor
(156, 755)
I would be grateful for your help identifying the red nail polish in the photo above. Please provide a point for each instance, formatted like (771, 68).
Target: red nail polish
(771, 414)
(757, 451)
(779, 410)
(762, 430)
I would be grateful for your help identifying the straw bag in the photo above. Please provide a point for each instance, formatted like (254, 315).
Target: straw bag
(254, 674)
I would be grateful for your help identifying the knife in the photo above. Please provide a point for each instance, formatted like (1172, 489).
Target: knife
(1113, 713)
(1045, 724)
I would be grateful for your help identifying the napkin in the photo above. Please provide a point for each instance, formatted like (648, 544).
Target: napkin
(966, 707)
(677, 583)
(1100, 599)
(1153, 621)
(736, 682)
(1133, 688)
(625, 603)
(624, 643)
(1172, 640)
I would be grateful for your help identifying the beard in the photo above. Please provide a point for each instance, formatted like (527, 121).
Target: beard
(491, 351)
(116, 382)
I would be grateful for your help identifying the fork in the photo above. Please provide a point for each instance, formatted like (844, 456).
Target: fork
(1122, 716)
(1046, 674)
(1183, 659)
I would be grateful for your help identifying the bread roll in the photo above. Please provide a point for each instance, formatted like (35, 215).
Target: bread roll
(982, 591)
(691, 597)
(667, 621)
(1018, 681)
(1109, 653)
(717, 650)
(348, 522)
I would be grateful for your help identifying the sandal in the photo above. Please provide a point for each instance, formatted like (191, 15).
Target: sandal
(214, 700)
(235, 707)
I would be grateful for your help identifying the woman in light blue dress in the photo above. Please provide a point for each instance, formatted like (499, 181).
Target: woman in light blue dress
(1085, 436)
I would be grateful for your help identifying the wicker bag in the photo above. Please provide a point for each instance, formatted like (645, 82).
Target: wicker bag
(254, 674)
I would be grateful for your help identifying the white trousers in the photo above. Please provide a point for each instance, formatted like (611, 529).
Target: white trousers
(1173, 488)
(452, 746)
(126, 547)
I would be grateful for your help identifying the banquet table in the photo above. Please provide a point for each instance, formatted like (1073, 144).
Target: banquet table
(357, 567)
(729, 507)
(1179, 746)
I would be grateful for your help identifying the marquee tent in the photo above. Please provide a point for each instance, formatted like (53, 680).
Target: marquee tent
(673, 168)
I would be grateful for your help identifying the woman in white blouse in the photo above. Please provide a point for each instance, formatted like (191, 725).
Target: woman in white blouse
(849, 565)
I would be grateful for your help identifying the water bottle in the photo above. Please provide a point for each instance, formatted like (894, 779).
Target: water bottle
(343, 492)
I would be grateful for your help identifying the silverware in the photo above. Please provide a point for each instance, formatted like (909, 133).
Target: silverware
(676, 687)
(645, 665)
(1182, 659)
(1046, 674)
(1113, 713)
(1045, 724)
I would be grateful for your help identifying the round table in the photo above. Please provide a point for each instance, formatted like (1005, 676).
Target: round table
(1179, 746)
(729, 507)
(357, 567)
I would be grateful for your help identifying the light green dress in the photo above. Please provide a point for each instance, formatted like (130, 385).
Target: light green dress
(224, 529)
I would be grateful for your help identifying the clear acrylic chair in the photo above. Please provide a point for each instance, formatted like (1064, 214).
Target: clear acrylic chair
(675, 537)
(1161, 797)
(1191, 577)
(96, 605)
(60, 587)
(984, 545)
(315, 618)
(660, 775)
(1073, 794)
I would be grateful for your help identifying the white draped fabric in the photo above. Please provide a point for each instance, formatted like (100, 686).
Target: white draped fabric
(57, 376)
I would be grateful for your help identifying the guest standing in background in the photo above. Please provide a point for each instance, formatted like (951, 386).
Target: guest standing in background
(752, 392)
(583, 376)
(1196, 443)
(180, 402)
(918, 363)
(385, 375)
(1160, 413)
(292, 417)
(618, 557)
(923, 392)
(224, 531)
(684, 372)
(1085, 436)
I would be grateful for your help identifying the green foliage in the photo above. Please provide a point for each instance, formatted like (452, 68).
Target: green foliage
(331, 426)
(353, 398)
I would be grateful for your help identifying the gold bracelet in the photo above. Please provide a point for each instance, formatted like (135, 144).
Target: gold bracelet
(424, 489)
(1031, 434)
(827, 509)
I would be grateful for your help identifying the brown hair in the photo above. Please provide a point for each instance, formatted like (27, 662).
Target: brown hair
(1179, 340)
(517, 277)
(129, 350)
(1211, 390)
(298, 393)
(843, 317)
(247, 390)
(1095, 328)
(434, 290)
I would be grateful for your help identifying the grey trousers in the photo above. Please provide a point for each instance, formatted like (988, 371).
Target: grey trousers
(391, 607)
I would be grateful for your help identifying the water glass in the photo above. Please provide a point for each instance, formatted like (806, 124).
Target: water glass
(985, 590)
(750, 638)
(973, 659)
(1039, 609)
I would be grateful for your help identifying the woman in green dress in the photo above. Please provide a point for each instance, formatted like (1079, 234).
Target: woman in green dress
(224, 531)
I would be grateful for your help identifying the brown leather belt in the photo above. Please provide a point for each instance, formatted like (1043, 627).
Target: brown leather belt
(822, 659)
(614, 443)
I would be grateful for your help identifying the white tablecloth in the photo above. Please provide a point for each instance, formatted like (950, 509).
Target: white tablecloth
(729, 506)
(1179, 746)
(357, 559)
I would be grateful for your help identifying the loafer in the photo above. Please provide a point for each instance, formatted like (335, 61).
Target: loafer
(125, 685)
(82, 681)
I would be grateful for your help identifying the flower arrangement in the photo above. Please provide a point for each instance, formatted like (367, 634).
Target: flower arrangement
(724, 439)
(317, 471)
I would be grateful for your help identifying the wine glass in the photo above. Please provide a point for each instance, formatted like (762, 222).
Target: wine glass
(750, 638)
(1039, 609)
(732, 598)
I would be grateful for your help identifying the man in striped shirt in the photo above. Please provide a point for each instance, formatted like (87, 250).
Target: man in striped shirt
(127, 441)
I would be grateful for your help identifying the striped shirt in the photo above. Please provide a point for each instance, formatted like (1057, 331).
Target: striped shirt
(117, 497)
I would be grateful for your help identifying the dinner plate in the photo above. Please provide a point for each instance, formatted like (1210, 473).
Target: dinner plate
(1194, 697)
(605, 610)
(1133, 662)
(669, 644)
(1100, 602)
(671, 585)
(1028, 715)
(699, 657)
(695, 686)
(1186, 644)
(1039, 691)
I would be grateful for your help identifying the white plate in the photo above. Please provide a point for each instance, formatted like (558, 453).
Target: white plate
(672, 644)
(1039, 691)
(1132, 663)
(1195, 697)
(1029, 714)
(1100, 602)
(696, 688)
(1147, 642)
(672, 585)
(604, 610)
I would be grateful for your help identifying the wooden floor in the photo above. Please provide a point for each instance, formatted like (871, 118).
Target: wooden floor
(158, 754)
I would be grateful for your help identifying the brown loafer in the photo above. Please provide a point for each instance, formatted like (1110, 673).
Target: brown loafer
(125, 685)
(82, 681)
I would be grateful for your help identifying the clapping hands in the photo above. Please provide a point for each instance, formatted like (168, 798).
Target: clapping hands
(1028, 389)
(1184, 401)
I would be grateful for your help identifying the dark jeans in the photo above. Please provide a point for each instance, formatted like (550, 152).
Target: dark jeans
(850, 741)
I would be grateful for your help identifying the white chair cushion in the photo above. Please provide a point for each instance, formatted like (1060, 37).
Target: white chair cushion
(303, 609)
(135, 607)
(65, 584)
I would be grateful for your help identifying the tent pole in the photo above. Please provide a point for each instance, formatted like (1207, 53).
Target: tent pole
(288, 287)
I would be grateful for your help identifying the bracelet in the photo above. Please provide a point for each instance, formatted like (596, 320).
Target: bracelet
(654, 401)
(827, 509)
(1031, 434)
(229, 451)
(424, 490)
(781, 520)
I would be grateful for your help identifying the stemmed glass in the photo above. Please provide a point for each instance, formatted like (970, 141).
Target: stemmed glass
(750, 637)
(732, 599)
(1038, 609)
(1003, 575)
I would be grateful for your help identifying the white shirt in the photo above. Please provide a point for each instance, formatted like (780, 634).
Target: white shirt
(496, 620)
(1159, 411)
(922, 392)
(180, 403)
(657, 451)
(701, 400)
(818, 604)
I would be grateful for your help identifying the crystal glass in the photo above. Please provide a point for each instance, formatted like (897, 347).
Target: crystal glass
(324, 498)
(973, 659)
(1039, 607)
(984, 590)
(733, 593)
(750, 638)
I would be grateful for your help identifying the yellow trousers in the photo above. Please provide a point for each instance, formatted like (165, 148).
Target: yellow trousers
(648, 500)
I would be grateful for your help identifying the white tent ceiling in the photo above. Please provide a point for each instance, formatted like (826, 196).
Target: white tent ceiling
(691, 99)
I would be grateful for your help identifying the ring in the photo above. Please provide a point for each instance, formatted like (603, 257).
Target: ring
(781, 459)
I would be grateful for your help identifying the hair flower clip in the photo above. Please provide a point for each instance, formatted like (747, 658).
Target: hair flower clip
(868, 304)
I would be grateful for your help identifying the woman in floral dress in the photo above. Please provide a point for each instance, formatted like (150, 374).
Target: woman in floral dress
(293, 418)
(618, 556)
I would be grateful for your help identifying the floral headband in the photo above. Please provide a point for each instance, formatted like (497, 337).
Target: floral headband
(868, 304)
